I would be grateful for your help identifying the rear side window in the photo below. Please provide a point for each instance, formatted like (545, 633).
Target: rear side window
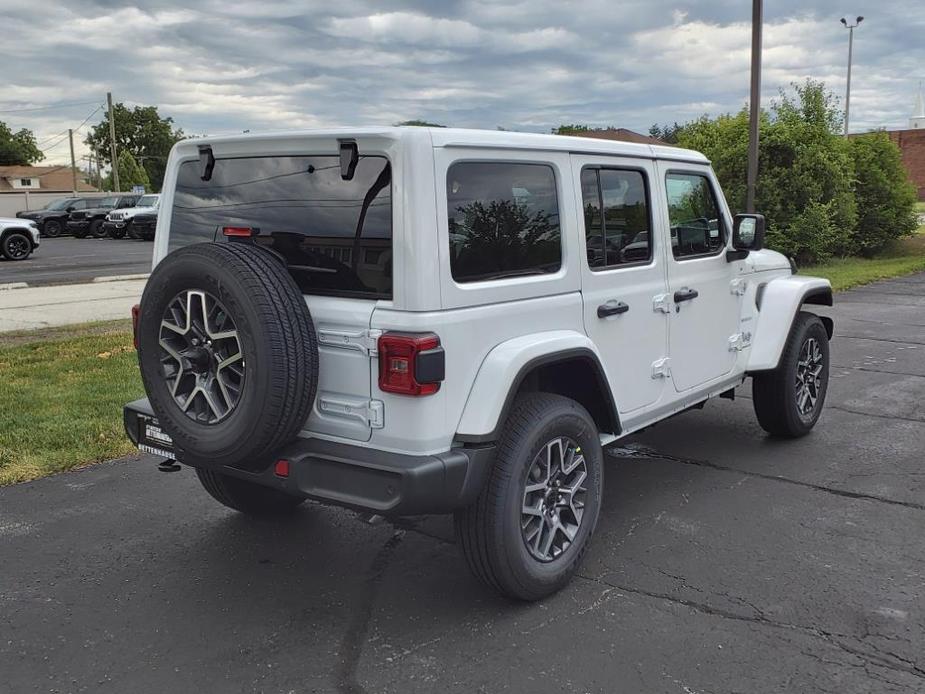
(620, 235)
(335, 235)
(694, 215)
(503, 220)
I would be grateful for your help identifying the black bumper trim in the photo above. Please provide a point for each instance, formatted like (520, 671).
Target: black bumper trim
(393, 484)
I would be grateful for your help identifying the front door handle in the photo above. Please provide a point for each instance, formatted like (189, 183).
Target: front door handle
(685, 294)
(611, 309)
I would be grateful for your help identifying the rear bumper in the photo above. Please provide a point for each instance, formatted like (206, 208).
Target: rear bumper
(393, 484)
(108, 225)
(72, 225)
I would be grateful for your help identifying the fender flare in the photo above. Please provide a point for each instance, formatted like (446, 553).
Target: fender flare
(504, 370)
(778, 302)
(22, 230)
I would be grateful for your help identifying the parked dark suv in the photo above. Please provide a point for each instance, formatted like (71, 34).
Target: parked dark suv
(52, 219)
(89, 221)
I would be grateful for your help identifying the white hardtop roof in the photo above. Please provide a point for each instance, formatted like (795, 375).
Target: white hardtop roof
(460, 137)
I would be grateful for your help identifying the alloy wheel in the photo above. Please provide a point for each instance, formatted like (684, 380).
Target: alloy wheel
(809, 376)
(554, 499)
(201, 356)
(17, 247)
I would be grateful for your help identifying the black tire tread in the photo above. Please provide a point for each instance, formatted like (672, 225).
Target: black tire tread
(285, 325)
(247, 497)
(771, 390)
(475, 524)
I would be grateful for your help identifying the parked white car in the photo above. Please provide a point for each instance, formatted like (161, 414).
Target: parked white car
(118, 223)
(414, 321)
(18, 238)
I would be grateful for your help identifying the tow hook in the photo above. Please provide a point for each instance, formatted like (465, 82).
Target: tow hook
(169, 466)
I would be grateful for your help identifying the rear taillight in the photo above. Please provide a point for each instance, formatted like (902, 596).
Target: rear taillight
(136, 312)
(410, 363)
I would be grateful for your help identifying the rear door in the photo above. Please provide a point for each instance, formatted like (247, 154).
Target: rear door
(335, 237)
(623, 276)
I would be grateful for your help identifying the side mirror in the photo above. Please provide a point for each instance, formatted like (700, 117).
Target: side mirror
(747, 235)
(748, 232)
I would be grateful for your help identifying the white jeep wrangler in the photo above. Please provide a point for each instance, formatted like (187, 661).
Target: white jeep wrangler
(415, 321)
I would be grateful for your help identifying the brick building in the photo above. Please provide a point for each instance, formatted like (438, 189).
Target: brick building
(911, 143)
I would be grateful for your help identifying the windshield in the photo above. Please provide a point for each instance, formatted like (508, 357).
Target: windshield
(147, 201)
(60, 204)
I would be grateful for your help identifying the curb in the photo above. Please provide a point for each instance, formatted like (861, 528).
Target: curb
(120, 278)
(13, 285)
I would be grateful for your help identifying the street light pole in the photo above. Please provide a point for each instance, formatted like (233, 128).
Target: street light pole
(754, 116)
(851, 25)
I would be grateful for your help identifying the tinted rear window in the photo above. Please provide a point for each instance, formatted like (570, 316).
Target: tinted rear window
(503, 220)
(335, 235)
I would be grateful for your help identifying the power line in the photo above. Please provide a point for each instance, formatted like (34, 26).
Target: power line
(92, 113)
(46, 108)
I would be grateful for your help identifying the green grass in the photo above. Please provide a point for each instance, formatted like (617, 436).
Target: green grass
(61, 398)
(900, 258)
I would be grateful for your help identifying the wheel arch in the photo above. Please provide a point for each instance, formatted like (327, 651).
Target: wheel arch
(566, 365)
(22, 230)
(779, 302)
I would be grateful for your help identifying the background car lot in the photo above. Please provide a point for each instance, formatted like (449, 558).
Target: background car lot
(68, 260)
(724, 561)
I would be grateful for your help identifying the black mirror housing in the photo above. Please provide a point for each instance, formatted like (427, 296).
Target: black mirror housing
(748, 232)
(349, 158)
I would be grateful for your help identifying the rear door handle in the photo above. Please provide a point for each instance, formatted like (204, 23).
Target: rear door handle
(611, 309)
(685, 294)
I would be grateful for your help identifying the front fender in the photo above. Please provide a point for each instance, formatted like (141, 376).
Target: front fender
(504, 367)
(779, 301)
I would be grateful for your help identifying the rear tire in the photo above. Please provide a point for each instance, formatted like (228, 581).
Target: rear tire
(523, 497)
(789, 399)
(247, 497)
(233, 389)
(16, 246)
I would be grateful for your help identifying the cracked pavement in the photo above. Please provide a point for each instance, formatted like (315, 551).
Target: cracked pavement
(724, 561)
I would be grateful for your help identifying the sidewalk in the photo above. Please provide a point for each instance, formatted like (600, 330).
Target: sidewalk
(42, 307)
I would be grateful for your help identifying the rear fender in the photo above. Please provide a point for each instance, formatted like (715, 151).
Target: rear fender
(508, 366)
(778, 303)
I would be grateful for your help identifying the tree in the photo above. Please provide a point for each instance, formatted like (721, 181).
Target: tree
(421, 124)
(143, 133)
(805, 170)
(130, 173)
(19, 148)
(885, 198)
(666, 133)
(571, 129)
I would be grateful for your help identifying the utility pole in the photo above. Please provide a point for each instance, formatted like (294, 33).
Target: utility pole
(70, 137)
(754, 116)
(112, 144)
(850, 26)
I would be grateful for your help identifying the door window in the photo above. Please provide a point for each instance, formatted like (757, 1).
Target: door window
(697, 227)
(620, 234)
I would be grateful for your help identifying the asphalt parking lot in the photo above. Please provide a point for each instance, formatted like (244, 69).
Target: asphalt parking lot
(68, 260)
(724, 562)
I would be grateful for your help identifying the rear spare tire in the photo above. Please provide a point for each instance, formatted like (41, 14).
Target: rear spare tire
(228, 354)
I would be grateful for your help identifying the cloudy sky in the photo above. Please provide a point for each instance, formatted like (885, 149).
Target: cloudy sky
(224, 66)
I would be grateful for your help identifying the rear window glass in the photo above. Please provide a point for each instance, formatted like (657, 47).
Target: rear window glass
(335, 235)
(503, 220)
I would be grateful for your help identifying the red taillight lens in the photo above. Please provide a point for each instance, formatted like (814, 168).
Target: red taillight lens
(239, 231)
(136, 312)
(281, 469)
(410, 364)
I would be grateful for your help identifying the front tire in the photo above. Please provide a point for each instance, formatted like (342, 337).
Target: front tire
(117, 233)
(789, 399)
(97, 230)
(16, 246)
(247, 497)
(52, 228)
(528, 530)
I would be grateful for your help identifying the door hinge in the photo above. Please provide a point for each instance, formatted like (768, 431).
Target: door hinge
(739, 341)
(738, 286)
(661, 368)
(361, 340)
(370, 412)
(662, 302)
